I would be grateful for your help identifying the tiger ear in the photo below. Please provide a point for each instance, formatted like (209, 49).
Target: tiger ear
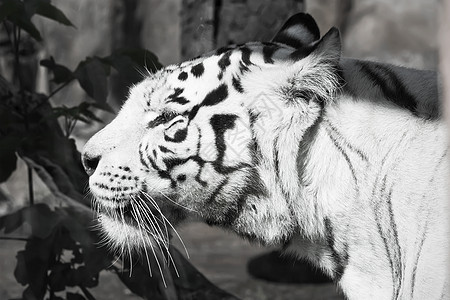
(317, 75)
(299, 31)
(327, 49)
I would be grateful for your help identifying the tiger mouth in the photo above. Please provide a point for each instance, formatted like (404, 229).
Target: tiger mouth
(126, 210)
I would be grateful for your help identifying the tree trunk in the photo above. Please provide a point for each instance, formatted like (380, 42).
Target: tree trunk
(209, 24)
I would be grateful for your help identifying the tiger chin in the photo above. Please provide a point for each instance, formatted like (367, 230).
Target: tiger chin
(340, 161)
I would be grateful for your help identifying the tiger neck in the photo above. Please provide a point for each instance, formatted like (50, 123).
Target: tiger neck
(306, 194)
(357, 139)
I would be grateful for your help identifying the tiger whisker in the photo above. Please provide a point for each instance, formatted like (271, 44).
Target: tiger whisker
(166, 246)
(178, 204)
(158, 237)
(160, 212)
(161, 239)
(169, 256)
(138, 218)
(170, 224)
(127, 242)
(152, 220)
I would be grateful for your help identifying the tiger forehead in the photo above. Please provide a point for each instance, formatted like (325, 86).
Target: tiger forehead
(179, 85)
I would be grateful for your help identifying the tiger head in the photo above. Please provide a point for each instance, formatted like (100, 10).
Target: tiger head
(215, 138)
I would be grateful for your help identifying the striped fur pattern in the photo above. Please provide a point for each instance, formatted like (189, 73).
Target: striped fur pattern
(340, 161)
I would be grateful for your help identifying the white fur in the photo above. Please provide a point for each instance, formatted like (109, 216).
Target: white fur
(345, 158)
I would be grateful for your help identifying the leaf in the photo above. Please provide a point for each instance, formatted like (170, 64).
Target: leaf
(191, 284)
(103, 106)
(39, 216)
(51, 12)
(8, 8)
(92, 76)
(61, 74)
(18, 13)
(34, 263)
(80, 112)
(28, 294)
(78, 257)
(23, 21)
(84, 278)
(95, 259)
(58, 275)
(41, 219)
(11, 222)
(84, 110)
(132, 63)
(73, 296)
(20, 271)
(142, 58)
(142, 284)
(8, 159)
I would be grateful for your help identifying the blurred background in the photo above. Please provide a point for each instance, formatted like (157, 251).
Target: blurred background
(404, 32)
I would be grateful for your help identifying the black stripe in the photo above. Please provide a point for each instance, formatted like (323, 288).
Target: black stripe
(198, 70)
(198, 175)
(341, 138)
(237, 84)
(179, 100)
(224, 61)
(268, 52)
(199, 160)
(216, 192)
(177, 92)
(253, 117)
(221, 123)
(183, 76)
(216, 96)
(347, 159)
(246, 52)
(416, 263)
(377, 205)
(165, 150)
(390, 85)
(161, 173)
(393, 234)
(175, 97)
(193, 112)
(425, 226)
(243, 68)
(141, 158)
(253, 187)
(223, 50)
(387, 248)
(173, 162)
(388, 233)
(276, 160)
(340, 262)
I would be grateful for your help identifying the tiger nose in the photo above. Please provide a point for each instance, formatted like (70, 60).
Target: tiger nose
(90, 163)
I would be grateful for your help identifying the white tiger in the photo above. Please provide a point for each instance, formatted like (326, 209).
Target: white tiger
(341, 161)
